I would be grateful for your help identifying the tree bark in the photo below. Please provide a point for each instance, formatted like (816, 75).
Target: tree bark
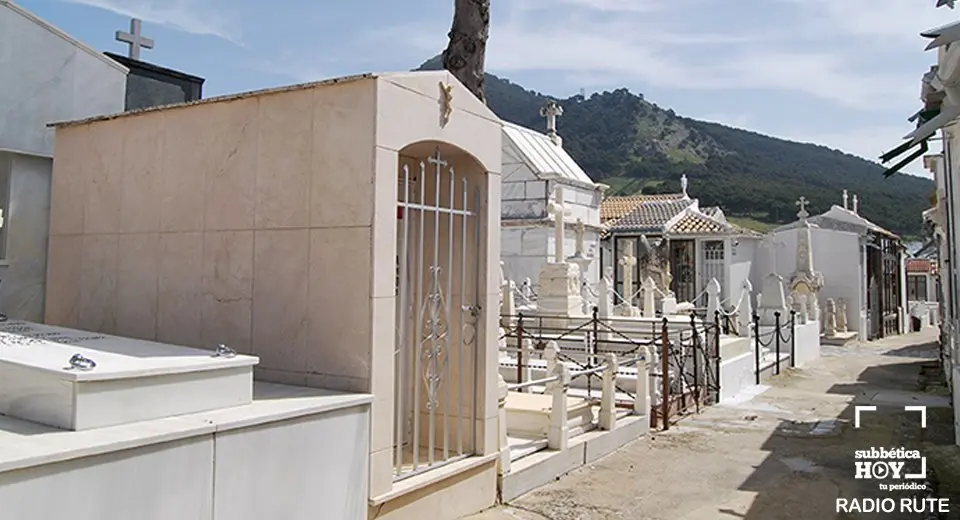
(466, 52)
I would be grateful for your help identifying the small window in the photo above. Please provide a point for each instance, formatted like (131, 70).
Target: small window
(916, 288)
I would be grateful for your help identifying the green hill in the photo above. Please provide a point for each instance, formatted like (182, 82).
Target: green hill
(633, 145)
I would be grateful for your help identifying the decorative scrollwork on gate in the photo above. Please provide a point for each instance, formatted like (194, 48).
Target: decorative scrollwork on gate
(435, 331)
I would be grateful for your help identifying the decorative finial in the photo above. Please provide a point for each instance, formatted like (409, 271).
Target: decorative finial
(134, 39)
(845, 200)
(802, 203)
(550, 110)
(856, 204)
(683, 185)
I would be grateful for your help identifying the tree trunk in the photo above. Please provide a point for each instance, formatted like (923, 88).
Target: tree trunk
(464, 55)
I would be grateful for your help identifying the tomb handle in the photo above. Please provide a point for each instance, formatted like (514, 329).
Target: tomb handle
(224, 351)
(79, 362)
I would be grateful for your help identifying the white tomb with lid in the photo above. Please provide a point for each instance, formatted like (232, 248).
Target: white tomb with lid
(132, 380)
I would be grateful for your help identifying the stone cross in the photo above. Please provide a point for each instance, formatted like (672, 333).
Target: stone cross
(550, 110)
(802, 204)
(683, 184)
(580, 230)
(559, 211)
(134, 39)
(627, 261)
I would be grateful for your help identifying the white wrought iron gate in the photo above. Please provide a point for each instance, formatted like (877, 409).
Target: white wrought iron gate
(438, 259)
(713, 266)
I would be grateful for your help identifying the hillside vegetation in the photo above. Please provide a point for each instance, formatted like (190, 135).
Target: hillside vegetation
(633, 145)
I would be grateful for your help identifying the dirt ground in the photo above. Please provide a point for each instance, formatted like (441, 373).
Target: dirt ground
(787, 453)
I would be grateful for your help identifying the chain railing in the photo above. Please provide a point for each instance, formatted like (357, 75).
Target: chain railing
(683, 365)
(779, 334)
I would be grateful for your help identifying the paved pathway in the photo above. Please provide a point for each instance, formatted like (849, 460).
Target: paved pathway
(786, 453)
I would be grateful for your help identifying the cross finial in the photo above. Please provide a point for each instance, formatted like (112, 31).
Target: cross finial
(134, 39)
(550, 110)
(802, 204)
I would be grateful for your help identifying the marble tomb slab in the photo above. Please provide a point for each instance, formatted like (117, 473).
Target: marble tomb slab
(133, 380)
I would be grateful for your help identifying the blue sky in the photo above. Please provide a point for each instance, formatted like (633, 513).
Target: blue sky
(842, 73)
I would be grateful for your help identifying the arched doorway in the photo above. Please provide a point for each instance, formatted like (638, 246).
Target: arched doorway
(438, 292)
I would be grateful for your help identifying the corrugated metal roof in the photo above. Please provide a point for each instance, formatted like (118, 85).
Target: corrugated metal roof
(543, 155)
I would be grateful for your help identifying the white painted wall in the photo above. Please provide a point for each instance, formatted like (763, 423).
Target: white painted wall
(527, 231)
(307, 468)
(27, 223)
(55, 80)
(836, 254)
(742, 266)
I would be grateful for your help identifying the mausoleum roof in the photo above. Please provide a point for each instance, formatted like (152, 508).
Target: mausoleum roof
(841, 219)
(650, 216)
(619, 206)
(62, 35)
(919, 265)
(697, 223)
(542, 155)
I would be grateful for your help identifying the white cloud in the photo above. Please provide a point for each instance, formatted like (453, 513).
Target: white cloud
(880, 20)
(201, 17)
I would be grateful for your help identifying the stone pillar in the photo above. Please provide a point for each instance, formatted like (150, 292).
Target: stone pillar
(641, 398)
(526, 354)
(830, 319)
(558, 436)
(504, 466)
(649, 288)
(551, 354)
(608, 398)
(841, 315)
(745, 311)
(713, 299)
(604, 307)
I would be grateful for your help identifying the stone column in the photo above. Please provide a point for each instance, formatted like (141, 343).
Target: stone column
(558, 436)
(830, 320)
(504, 466)
(649, 297)
(641, 398)
(608, 398)
(745, 312)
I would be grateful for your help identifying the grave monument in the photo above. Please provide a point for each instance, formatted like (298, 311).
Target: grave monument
(560, 280)
(806, 282)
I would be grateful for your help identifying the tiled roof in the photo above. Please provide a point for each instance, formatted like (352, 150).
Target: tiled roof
(696, 223)
(650, 215)
(542, 154)
(710, 211)
(616, 207)
(918, 265)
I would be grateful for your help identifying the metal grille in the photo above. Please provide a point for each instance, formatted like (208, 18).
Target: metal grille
(437, 288)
